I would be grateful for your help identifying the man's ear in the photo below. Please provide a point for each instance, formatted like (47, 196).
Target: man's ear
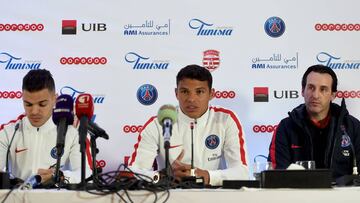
(212, 93)
(176, 93)
(333, 96)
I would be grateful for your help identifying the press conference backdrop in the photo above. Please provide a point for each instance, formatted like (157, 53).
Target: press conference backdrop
(127, 53)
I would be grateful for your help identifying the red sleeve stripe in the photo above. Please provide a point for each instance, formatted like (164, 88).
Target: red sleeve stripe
(133, 156)
(273, 149)
(88, 154)
(241, 137)
(12, 121)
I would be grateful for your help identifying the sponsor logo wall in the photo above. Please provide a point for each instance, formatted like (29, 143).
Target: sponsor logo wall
(128, 62)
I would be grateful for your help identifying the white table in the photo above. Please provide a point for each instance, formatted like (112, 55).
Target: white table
(244, 195)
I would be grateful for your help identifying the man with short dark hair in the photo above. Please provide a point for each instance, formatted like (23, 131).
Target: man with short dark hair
(33, 150)
(318, 130)
(219, 140)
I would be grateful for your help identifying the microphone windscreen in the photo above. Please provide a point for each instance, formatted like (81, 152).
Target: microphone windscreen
(64, 109)
(84, 106)
(167, 111)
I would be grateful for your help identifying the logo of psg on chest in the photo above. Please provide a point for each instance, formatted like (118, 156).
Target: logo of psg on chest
(212, 141)
(53, 153)
(345, 141)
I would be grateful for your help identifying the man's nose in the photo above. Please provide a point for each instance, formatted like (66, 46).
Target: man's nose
(34, 109)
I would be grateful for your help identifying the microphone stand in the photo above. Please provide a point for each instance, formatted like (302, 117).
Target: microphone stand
(192, 170)
(167, 134)
(94, 151)
(5, 182)
(354, 178)
(82, 141)
(59, 151)
(192, 180)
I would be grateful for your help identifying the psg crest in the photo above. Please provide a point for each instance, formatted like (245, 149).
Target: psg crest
(212, 141)
(147, 94)
(53, 153)
(274, 26)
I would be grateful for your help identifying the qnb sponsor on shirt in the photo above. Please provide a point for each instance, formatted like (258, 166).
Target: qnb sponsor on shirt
(337, 27)
(83, 60)
(98, 99)
(15, 63)
(21, 27)
(10, 94)
(224, 94)
(348, 94)
(207, 29)
(132, 128)
(264, 128)
(334, 62)
(142, 63)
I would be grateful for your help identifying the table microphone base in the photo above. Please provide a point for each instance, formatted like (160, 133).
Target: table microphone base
(79, 186)
(4, 180)
(348, 180)
(192, 182)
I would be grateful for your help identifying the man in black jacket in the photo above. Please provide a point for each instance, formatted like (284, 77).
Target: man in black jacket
(318, 130)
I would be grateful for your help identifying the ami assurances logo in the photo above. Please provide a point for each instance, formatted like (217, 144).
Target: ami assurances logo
(148, 28)
(69, 27)
(209, 29)
(276, 61)
(335, 62)
(140, 62)
(12, 62)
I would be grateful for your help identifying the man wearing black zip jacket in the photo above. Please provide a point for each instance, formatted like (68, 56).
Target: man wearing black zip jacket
(318, 130)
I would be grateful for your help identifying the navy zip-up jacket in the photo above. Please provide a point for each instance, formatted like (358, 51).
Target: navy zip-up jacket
(292, 141)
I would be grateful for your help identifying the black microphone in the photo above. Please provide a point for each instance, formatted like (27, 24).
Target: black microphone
(62, 116)
(8, 149)
(95, 130)
(193, 181)
(354, 179)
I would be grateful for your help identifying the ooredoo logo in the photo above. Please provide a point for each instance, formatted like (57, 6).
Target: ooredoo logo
(83, 60)
(264, 128)
(10, 94)
(132, 128)
(348, 94)
(21, 27)
(337, 27)
(224, 94)
(100, 163)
